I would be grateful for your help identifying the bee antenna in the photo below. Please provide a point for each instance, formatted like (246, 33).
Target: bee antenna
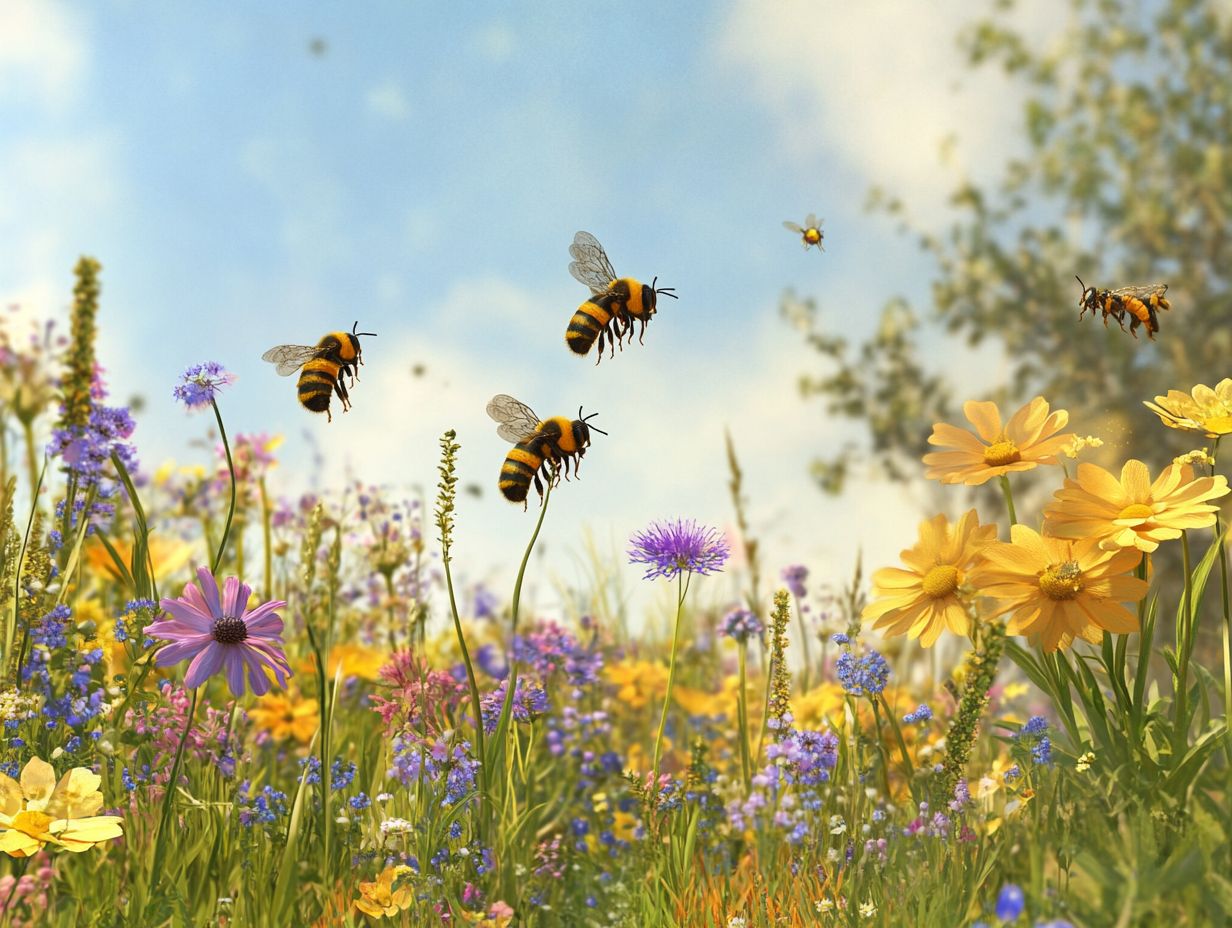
(664, 291)
(1080, 283)
(595, 428)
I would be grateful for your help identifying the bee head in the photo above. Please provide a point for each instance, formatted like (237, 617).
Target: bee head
(355, 334)
(651, 297)
(582, 428)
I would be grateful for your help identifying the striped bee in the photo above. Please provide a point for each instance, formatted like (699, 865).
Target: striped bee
(1141, 304)
(810, 233)
(325, 367)
(541, 446)
(614, 304)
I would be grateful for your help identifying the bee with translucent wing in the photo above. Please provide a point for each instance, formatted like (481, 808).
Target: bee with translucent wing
(538, 443)
(810, 233)
(323, 368)
(1140, 303)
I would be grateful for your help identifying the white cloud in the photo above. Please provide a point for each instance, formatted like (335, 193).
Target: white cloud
(496, 42)
(882, 86)
(388, 101)
(42, 52)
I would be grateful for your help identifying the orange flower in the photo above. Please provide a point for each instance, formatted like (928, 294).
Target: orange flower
(1030, 438)
(286, 716)
(927, 597)
(1057, 590)
(1132, 511)
(1201, 410)
(379, 899)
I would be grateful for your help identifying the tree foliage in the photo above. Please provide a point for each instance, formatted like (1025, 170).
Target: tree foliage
(1126, 179)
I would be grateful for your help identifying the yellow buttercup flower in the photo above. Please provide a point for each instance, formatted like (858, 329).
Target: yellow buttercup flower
(1031, 437)
(927, 598)
(1056, 590)
(39, 811)
(637, 682)
(1202, 409)
(379, 898)
(286, 715)
(1133, 512)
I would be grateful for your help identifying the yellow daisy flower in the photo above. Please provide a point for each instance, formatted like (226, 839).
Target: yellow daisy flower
(379, 898)
(1133, 512)
(286, 715)
(927, 598)
(1031, 437)
(39, 811)
(1056, 590)
(1201, 410)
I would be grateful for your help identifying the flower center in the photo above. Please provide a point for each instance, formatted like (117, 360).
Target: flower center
(1137, 511)
(34, 824)
(941, 581)
(229, 630)
(1061, 581)
(1001, 452)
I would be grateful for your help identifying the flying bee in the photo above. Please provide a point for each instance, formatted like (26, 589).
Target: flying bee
(614, 304)
(538, 444)
(810, 233)
(1141, 304)
(323, 368)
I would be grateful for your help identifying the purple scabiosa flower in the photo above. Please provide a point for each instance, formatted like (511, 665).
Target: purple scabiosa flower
(741, 625)
(1010, 903)
(222, 633)
(86, 450)
(866, 675)
(199, 385)
(795, 576)
(680, 546)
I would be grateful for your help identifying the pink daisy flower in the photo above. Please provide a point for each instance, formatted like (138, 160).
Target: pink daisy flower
(222, 634)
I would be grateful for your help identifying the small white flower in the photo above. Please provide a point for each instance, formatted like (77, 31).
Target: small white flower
(384, 797)
(824, 906)
(396, 826)
(465, 852)
(736, 921)
(832, 855)
(342, 820)
(57, 753)
(868, 909)
(837, 825)
(1085, 762)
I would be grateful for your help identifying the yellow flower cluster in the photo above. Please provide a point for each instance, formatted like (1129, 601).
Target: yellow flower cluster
(1073, 580)
(39, 811)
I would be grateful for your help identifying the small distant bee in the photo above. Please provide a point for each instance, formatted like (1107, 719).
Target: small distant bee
(1140, 303)
(326, 365)
(615, 303)
(555, 441)
(810, 233)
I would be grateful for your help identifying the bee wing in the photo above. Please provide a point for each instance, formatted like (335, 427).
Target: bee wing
(793, 227)
(811, 222)
(1142, 292)
(517, 420)
(290, 358)
(590, 264)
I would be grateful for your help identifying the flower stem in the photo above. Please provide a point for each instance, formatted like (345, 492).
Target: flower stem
(226, 529)
(742, 713)
(1009, 498)
(804, 637)
(1184, 647)
(164, 821)
(266, 515)
(682, 581)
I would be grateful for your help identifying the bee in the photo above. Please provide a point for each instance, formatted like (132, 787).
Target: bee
(810, 233)
(1142, 304)
(325, 367)
(614, 304)
(538, 444)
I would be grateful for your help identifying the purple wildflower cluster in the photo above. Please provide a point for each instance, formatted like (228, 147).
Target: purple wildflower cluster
(866, 675)
(441, 761)
(921, 715)
(199, 384)
(1035, 734)
(671, 548)
(550, 648)
(740, 625)
(806, 757)
(795, 576)
(530, 701)
(85, 451)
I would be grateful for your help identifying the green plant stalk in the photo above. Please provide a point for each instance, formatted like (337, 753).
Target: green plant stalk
(226, 529)
(1009, 498)
(1227, 620)
(164, 820)
(742, 713)
(908, 766)
(10, 631)
(804, 637)
(682, 588)
(1184, 647)
(32, 468)
(496, 745)
(471, 681)
(266, 539)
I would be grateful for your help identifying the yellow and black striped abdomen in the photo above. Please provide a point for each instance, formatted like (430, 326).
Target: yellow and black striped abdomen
(589, 320)
(316, 383)
(518, 470)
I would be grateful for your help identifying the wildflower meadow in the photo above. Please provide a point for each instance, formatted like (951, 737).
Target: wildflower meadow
(244, 688)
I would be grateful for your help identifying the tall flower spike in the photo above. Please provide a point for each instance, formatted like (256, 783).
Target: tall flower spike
(80, 364)
(447, 493)
(223, 634)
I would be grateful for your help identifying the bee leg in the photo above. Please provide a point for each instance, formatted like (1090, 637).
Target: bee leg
(641, 333)
(341, 390)
(329, 416)
(538, 485)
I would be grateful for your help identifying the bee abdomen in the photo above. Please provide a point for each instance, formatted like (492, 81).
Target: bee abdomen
(517, 471)
(314, 388)
(585, 326)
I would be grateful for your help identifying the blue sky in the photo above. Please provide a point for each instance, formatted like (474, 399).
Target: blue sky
(425, 176)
